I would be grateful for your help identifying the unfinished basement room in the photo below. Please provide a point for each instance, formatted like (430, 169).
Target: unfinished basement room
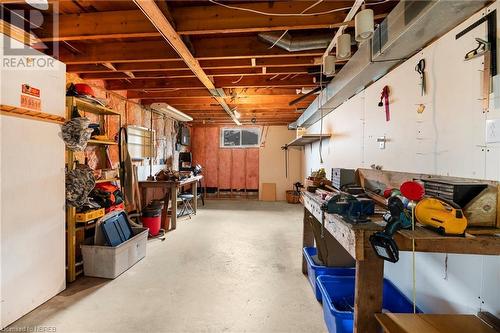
(260, 166)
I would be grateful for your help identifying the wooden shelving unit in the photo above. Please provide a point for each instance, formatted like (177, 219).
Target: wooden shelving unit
(74, 268)
(307, 139)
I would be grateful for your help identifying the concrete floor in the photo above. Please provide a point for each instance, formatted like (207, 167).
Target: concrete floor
(235, 267)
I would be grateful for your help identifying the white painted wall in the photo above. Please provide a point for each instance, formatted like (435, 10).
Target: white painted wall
(32, 213)
(447, 139)
(272, 161)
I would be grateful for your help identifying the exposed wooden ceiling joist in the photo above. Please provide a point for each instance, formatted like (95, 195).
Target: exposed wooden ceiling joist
(158, 19)
(270, 71)
(197, 20)
(222, 82)
(272, 100)
(205, 64)
(194, 93)
(206, 49)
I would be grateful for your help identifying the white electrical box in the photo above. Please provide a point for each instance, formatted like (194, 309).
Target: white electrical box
(492, 130)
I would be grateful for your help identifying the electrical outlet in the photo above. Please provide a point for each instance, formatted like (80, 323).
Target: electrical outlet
(492, 130)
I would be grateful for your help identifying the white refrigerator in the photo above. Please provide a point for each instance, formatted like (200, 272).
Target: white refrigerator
(32, 190)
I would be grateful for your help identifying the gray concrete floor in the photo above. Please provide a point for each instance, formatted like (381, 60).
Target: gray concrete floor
(235, 267)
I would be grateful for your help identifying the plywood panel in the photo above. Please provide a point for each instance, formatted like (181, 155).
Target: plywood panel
(252, 170)
(238, 170)
(225, 168)
(198, 145)
(211, 144)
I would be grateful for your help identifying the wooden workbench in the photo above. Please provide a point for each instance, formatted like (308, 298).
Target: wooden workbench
(370, 268)
(170, 191)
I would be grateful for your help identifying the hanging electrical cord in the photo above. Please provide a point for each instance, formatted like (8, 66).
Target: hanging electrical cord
(241, 78)
(414, 268)
(291, 14)
(321, 115)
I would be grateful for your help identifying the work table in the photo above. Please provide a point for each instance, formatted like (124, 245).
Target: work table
(370, 268)
(170, 190)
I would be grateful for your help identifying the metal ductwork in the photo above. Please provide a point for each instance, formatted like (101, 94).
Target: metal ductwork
(297, 43)
(409, 27)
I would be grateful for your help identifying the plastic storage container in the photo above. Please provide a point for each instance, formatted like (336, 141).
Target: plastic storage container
(108, 261)
(338, 301)
(313, 270)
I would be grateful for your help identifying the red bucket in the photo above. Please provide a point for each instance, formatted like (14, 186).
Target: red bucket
(153, 223)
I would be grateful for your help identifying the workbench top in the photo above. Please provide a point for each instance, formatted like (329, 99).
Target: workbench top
(178, 182)
(426, 240)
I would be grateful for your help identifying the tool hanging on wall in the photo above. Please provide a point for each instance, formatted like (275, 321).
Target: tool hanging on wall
(384, 101)
(420, 69)
(482, 47)
(285, 149)
(486, 48)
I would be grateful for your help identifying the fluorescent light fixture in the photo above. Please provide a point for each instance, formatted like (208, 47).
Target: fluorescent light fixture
(38, 4)
(236, 114)
(170, 111)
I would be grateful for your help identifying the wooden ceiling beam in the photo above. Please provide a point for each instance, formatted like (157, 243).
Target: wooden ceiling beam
(205, 64)
(158, 19)
(203, 108)
(197, 20)
(262, 99)
(254, 81)
(146, 51)
(203, 20)
(270, 71)
(194, 93)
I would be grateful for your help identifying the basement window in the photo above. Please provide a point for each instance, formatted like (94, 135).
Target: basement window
(140, 141)
(240, 138)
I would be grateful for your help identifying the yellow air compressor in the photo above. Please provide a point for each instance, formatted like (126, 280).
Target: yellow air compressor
(444, 216)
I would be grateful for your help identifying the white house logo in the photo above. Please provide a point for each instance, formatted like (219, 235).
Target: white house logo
(25, 51)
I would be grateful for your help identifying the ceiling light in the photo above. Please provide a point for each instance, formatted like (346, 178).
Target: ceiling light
(344, 46)
(364, 25)
(170, 111)
(236, 114)
(38, 4)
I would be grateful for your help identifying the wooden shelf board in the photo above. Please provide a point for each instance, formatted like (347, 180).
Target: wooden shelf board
(307, 139)
(101, 142)
(19, 112)
(107, 180)
(87, 106)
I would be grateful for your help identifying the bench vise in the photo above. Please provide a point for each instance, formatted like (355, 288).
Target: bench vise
(351, 208)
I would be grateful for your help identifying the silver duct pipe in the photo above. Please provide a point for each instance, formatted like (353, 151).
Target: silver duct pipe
(410, 26)
(297, 43)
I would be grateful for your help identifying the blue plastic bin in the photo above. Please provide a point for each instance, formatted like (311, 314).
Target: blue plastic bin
(313, 270)
(338, 301)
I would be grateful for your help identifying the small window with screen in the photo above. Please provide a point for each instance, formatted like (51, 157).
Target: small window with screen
(240, 137)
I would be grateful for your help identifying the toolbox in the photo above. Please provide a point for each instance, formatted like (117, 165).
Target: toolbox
(342, 177)
(459, 192)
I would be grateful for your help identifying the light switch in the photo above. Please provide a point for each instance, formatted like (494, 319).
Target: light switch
(492, 130)
(381, 142)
